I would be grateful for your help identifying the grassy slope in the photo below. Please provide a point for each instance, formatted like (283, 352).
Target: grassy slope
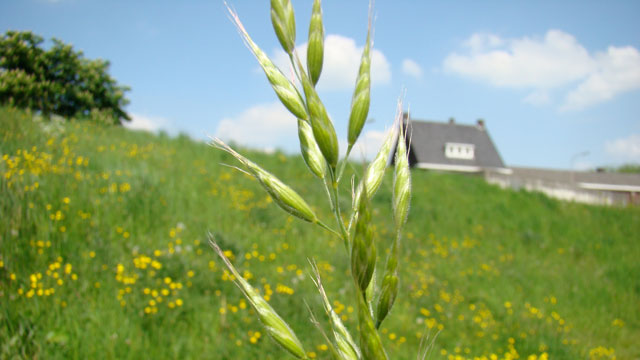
(498, 272)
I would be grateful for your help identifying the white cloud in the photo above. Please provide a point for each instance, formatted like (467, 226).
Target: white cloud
(481, 42)
(411, 68)
(538, 98)
(263, 126)
(557, 60)
(618, 71)
(520, 63)
(625, 149)
(147, 123)
(341, 63)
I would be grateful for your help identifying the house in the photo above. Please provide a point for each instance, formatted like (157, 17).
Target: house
(452, 147)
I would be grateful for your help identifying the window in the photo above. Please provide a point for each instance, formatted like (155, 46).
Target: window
(459, 151)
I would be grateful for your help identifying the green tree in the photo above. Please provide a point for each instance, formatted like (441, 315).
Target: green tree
(58, 80)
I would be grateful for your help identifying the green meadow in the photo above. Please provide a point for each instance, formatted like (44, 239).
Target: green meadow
(104, 255)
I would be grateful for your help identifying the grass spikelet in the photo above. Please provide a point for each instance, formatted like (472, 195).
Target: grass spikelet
(370, 342)
(388, 293)
(310, 151)
(332, 349)
(284, 24)
(401, 199)
(315, 49)
(361, 94)
(401, 181)
(372, 288)
(345, 346)
(363, 250)
(389, 288)
(282, 194)
(323, 130)
(285, 90)
(375, 170)
(277, 328)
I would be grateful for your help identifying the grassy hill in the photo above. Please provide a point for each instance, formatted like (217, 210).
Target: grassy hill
(103, 254)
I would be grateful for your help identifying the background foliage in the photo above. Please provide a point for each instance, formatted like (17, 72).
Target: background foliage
(58, 80)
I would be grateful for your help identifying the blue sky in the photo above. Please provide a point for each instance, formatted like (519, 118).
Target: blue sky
(557, 82)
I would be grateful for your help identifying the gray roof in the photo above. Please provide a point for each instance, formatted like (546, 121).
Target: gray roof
(428, 140)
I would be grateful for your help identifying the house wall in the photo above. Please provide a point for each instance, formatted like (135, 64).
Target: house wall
(562, 190)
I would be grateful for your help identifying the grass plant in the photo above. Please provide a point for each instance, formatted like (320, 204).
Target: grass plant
(319, 146)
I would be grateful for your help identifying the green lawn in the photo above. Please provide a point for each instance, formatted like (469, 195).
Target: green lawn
(104, 254)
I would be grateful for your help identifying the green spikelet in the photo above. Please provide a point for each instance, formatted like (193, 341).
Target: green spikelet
(375, 170)
(401, 182)
(370, 342)
(388, 294)
(363, 250)
(345, 347)
(284, 24)
(323, 130)
(285, 90)
(277, 328)
(361, 94)
(315, 49)
(389, 288)
(281, 194)
(310, 151)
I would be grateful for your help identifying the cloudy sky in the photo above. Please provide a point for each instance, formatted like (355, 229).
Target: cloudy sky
(557, 82)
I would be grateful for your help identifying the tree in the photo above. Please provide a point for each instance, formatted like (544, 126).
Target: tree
(57, 81)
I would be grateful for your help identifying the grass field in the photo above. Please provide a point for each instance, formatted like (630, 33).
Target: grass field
(103, 254)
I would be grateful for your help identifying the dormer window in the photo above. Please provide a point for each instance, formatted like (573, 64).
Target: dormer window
(459, 151)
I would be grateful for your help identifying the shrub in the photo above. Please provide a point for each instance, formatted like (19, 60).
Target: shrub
(58, 81)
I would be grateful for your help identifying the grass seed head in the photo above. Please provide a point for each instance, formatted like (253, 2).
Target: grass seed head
(323, 130)
(370, 342)
(310, 151)
(363, 250)
(401, 182)
(315, 48)
(284, 89)
(289, 200)
(372, 288)
(284, 24)
(361, 94)
(330, 346)
(275, 326)
(347, 348)
(375, 170)
(286, 197)
(388, 293)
